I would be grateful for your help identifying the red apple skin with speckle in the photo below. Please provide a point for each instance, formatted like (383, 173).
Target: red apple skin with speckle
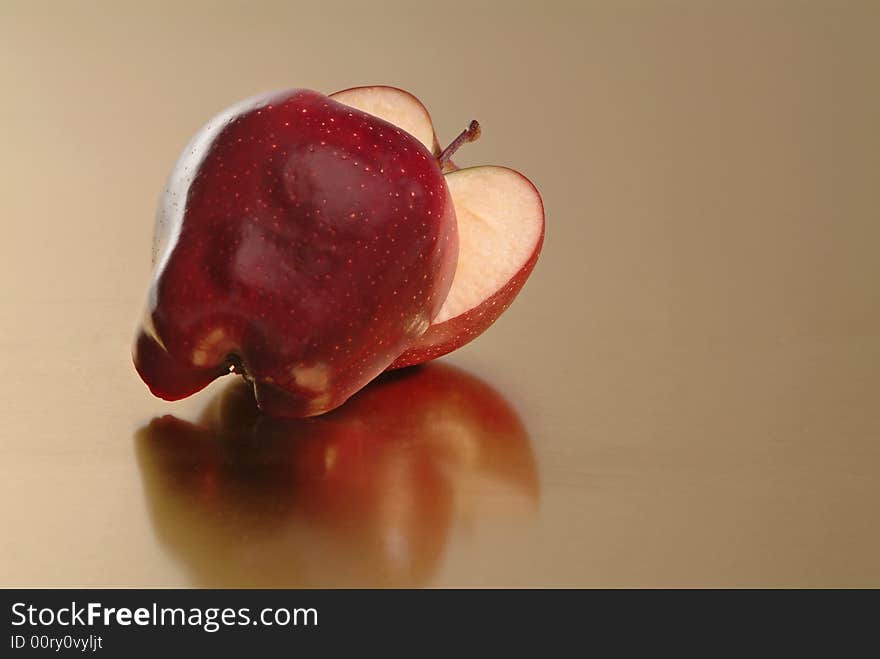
(301, 242)
(444, 337)
(514, 217)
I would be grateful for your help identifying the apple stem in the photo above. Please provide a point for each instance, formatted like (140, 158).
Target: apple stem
(469, 134)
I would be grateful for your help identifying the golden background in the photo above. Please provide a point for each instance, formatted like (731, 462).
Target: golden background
(695, 363)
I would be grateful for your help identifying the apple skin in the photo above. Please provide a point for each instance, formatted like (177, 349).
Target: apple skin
(396, 106)
(302, 243)
(444, 337)
(364, 495)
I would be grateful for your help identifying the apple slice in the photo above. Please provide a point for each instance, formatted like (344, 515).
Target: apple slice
(394, 106)
(500, 222)
(501, 230)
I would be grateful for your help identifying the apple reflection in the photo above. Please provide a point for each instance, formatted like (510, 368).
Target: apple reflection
(365, 495)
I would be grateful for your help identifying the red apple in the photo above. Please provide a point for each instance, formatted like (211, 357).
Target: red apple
(307, 243)
(301, 243)
(364, 495)
(500, 222)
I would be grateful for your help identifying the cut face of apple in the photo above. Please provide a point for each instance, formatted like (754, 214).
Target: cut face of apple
(500, 223)
(394, 106)
(501, 231)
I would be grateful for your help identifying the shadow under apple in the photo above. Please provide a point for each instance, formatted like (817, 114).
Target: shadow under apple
(365, 495)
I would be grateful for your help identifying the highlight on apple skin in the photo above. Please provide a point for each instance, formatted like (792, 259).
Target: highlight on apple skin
(309, 242)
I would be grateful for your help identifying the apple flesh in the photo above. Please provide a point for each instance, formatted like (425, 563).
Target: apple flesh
(397, 107)
(501, 231)
(301, 243)
(500, 222)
